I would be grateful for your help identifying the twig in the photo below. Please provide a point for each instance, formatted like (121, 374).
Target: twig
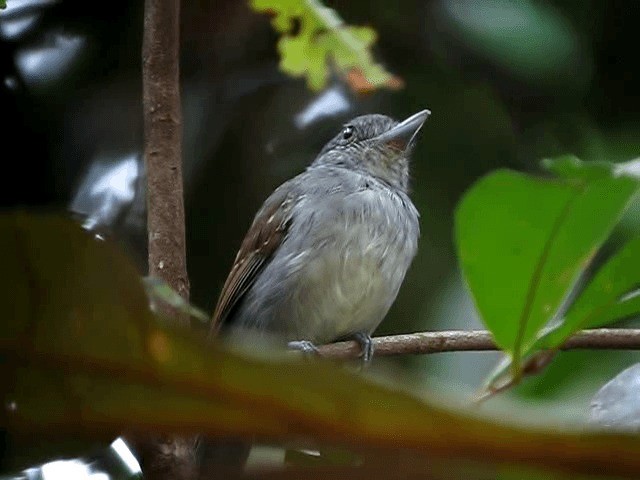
(477, 340)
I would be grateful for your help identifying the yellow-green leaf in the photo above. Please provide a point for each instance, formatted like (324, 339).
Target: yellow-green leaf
(323, 42)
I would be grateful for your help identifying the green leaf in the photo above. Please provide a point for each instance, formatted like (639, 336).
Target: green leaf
(613, 294)
(82, 357)
(523, 242)
(3, 4)
(322, 42)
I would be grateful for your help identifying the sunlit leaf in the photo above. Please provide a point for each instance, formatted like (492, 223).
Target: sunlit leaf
(82, 357)
(323, 41)
(523, 242)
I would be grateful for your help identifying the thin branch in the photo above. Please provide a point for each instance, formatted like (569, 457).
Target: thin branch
(165, 457)
(476, 341)
(163, 145)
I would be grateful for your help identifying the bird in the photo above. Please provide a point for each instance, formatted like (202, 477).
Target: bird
(328, 250)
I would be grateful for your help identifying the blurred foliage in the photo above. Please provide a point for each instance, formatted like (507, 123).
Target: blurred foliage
(83, 357)
(527, 39)
(522, 260)
(315, 39)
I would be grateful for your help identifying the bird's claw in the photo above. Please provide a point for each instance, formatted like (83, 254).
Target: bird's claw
(364, 339)
(366, 344)
(305, 346)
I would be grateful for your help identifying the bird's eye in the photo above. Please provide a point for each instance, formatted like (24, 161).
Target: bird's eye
(347, 132)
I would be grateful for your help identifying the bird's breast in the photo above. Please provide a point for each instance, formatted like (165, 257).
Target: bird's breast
(352, 266)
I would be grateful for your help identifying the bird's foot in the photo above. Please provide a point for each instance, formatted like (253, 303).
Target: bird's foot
(366, 344)
(305, 346)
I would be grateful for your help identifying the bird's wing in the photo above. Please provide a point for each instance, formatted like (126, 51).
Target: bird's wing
(266, 234)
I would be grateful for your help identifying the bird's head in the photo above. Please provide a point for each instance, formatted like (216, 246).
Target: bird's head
(377, 145)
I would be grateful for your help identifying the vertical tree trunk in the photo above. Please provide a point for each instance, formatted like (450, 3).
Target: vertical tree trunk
(163, 144)
(164, 458)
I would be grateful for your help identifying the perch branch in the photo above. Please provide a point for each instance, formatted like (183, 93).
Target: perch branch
(477, 340)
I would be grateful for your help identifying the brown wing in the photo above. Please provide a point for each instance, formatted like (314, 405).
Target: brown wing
(266, 234)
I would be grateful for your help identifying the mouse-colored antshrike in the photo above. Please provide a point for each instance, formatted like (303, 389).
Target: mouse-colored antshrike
(327, 252)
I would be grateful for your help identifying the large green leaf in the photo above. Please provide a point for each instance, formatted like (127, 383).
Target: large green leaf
(83, 357)
(523, 242)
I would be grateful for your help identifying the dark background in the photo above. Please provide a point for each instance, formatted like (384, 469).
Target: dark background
(508, 83)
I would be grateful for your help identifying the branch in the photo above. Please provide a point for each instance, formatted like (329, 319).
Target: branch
(163, 145)
(165, 457)
(475, 341)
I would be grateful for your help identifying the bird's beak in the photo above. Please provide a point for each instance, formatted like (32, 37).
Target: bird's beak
(403, 135)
